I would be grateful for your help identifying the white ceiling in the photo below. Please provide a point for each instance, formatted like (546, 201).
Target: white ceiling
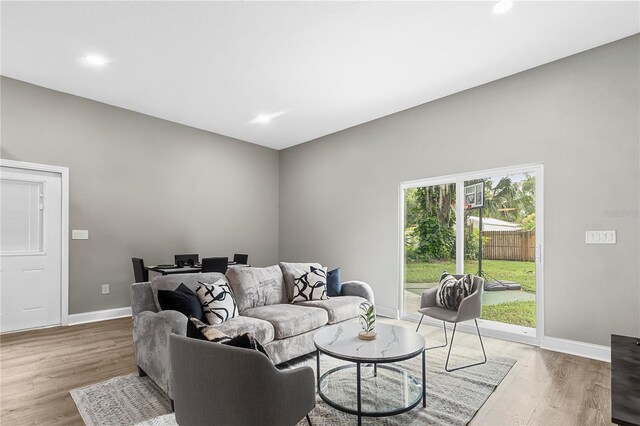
(326, 65)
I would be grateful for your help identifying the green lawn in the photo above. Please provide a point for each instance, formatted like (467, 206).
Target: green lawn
(523, 273)
(518, 313)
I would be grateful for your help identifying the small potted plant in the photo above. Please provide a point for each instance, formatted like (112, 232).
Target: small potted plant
(367, 321)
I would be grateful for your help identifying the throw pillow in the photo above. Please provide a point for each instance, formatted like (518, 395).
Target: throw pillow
(183, 300)
(452, 291)
(171, 282)
(334, 285)
(247, 341)
(198, 330)
(310, 285)
(217, 302)
(288, 269)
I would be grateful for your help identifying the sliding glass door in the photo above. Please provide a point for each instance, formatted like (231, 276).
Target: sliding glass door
(493, 232)
(429, 239)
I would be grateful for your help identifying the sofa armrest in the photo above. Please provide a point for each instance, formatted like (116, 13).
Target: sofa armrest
(142, 298)
(301, 402)
(151, 333)
(357, 288)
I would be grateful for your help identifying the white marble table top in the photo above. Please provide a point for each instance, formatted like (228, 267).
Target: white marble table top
(393, 342)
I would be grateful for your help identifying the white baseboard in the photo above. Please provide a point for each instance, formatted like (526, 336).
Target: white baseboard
(94, 316)
(573, 347)
(385, 311)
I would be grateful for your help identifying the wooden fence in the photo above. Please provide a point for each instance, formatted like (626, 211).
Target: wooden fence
(509, 245)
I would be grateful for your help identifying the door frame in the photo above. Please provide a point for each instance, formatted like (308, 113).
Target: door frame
(489, 328)
(64, 229)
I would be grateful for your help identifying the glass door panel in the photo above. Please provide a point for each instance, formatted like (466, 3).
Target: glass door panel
(500, 245)
(429, 239)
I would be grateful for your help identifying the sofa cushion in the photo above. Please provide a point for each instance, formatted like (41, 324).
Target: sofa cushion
(309, 285)
(262, 330)
(287, 274)
(339, 308)
(172, 281)
(290, 320)
(254, 287)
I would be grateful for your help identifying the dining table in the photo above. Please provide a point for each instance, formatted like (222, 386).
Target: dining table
(175, 269)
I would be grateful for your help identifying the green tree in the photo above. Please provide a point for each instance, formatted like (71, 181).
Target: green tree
(529, 222)
(430, 223)
(508, 200)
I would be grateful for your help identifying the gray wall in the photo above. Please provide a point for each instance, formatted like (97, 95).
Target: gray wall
(579, 115)
(143, 187)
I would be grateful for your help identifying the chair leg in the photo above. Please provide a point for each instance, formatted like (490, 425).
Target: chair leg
(444, 327)
(309, 420)
(419, 324)
(484, 354)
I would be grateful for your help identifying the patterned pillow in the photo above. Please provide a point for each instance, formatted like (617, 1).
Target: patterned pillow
(310, 285)
(201, 331)
(198, 330)
(452, 291)
(217, 302)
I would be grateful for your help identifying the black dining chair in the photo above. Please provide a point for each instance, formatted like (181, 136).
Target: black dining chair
(242, 259)
(140, 274)
(215, 264)
(186, 259)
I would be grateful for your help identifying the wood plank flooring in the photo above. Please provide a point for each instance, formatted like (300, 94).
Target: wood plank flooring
(39, 368)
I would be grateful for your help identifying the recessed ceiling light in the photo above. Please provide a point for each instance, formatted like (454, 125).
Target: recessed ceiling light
(95, 60)
(266, 118)
(502, 6)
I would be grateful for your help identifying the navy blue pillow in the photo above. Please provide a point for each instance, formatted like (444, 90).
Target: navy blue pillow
(334, 286)
(184, 300)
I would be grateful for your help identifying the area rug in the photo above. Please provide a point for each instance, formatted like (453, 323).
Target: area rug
(452, 398)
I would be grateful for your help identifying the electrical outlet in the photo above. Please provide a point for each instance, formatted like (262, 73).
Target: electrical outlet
(79, 234)
(105, 288)
(600, 237)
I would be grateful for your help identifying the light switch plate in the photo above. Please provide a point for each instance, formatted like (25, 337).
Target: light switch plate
(79, 234)
(105, 288)
(600, 237)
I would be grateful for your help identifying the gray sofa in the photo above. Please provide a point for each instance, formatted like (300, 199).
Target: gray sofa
(262, 294)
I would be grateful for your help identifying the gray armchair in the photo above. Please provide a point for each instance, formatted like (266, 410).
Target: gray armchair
(221, 384)
(470, 309)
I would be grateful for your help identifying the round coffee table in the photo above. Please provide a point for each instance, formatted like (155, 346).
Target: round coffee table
(393, 344)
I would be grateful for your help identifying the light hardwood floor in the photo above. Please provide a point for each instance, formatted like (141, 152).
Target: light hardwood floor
(39, 368)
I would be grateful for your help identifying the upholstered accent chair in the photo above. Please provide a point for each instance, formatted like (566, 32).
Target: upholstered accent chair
(470, 309)
(226, 385)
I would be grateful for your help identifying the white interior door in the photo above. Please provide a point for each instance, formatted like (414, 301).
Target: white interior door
(30, 248)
